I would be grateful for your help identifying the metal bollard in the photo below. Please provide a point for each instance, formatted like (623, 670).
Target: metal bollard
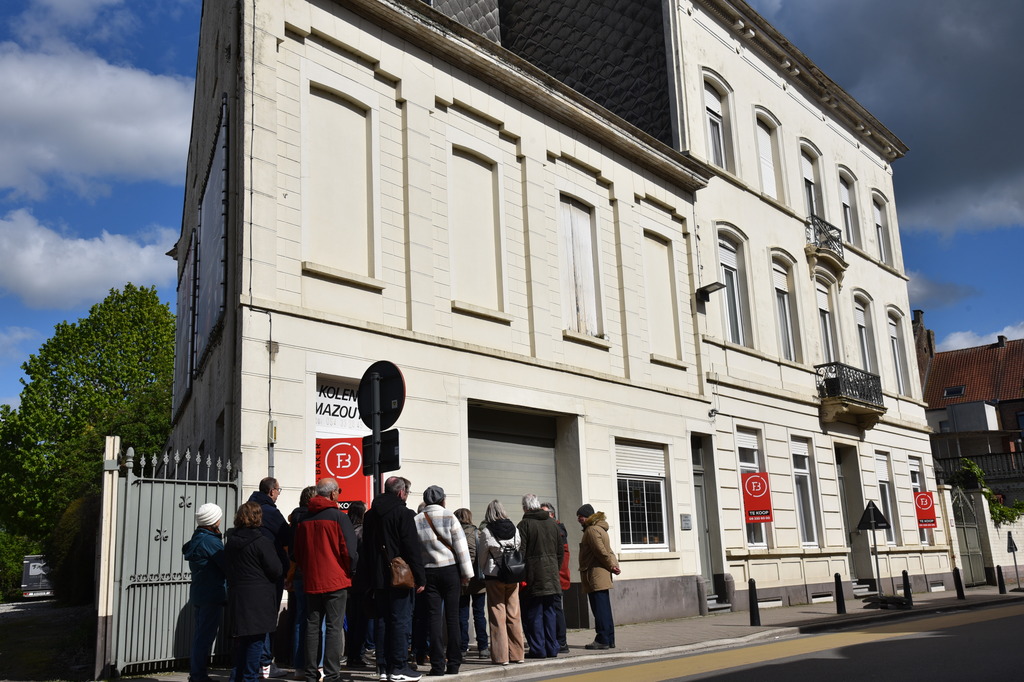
(840, 597)
(999, 580)
(907, 594)
(755, 611)
(959, 583)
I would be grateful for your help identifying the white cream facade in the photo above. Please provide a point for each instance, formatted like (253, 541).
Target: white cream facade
(400, 188)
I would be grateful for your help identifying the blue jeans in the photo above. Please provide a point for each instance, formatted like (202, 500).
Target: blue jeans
(479, 602)
(330, 607)
(248, 652)
(207, 623)
(560, 622)
(601, 605)
(540, 612)
(394, 624)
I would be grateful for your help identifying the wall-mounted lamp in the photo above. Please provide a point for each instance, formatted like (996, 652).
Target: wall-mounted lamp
(704, 292)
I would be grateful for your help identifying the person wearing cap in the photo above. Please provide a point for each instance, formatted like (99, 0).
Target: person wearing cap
(208, 592)
(449, 567)
(597, 565)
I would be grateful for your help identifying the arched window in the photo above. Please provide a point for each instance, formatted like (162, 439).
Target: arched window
(826, 320)
(811, 173)
(881, 217)
(898, 347)
(716, 108)
(781, 280)
(768, 156)
(848, 201)
(730, 257)
(865, 334)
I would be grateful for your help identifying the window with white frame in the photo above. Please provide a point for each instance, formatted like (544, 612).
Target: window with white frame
(784, 311)
(917, 485)
(735, 322)
(865, 335)
(803, 491)
(749, 454)
(812, 185)
(641, 489)
(899, 354)
(475, 230)
(882, 231)
(660, 295)
(826, 321)
(768, 156)
(886, 501)
(579, 280)
(714, 104)
(847, 199)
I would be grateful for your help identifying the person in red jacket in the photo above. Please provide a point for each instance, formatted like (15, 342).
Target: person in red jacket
(325, 550)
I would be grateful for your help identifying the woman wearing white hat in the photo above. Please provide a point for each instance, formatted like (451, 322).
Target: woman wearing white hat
(205, 555)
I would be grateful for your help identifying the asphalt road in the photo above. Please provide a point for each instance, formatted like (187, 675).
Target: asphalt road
(970, 645)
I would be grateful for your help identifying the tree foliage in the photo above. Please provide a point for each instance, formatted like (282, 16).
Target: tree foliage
(971, 477)
(108, 374)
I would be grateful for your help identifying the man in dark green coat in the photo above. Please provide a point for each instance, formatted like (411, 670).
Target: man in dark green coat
(543, 551)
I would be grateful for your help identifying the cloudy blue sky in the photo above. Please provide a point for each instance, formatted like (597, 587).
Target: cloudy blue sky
(96, 104)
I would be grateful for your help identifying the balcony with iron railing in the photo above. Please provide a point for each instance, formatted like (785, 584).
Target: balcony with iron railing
(825, 243)
(849, 394)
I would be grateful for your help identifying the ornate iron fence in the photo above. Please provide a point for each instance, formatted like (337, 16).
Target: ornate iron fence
(836, 380)
(824, 235)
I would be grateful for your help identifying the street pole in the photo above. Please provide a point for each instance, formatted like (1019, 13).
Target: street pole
(375, 420)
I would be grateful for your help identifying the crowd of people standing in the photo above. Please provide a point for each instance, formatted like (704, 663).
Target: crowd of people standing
(357, 578)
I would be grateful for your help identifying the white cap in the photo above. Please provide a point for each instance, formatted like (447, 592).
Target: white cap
(208, 514)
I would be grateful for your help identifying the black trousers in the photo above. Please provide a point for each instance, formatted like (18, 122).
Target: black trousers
(442, 592)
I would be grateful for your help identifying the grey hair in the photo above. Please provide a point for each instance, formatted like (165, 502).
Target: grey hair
(549, 507)
(530, 502)
(307, 494)
(396, 485)
(326, 487)
(495, 512)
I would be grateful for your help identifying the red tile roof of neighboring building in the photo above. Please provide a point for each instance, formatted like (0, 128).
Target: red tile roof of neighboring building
(992, 372)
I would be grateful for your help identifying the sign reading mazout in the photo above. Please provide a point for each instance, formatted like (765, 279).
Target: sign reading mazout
(339, 439)
(757, 497)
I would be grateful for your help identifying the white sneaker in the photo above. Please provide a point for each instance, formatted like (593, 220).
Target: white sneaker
(265, 672)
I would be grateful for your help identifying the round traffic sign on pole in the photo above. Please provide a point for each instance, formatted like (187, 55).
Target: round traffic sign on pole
(391, 393)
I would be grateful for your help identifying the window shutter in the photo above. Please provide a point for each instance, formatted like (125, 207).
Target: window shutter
(780, 277)
(807, 164)
(727, 254)
(823, 297)
(746, 439)
(844, 191)
(800, 447)
(712, 100)
(767, 157)
(859, 315)
(643, 460)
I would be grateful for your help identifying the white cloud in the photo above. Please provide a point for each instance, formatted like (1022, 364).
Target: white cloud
(72, 116)
(46, 269)
(11, 340)
(969, 339)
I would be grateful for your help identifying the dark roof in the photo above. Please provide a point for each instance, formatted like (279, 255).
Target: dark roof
(992, 372)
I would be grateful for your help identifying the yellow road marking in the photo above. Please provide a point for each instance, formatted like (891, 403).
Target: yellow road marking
(733, 658)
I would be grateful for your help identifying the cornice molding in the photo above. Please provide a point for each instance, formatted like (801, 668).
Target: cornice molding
(754, 30)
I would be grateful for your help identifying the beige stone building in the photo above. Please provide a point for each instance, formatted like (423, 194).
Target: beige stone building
(620, 270)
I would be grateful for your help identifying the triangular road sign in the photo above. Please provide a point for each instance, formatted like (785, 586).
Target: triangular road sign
(873, 519)
(1011, 546)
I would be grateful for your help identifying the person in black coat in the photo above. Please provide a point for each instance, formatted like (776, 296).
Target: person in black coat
(253, 573)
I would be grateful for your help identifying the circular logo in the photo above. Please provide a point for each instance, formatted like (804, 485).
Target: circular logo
(924, 501)
(343, 460)
(756, 486)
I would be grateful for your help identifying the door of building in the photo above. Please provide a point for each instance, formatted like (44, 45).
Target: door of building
(852, 504)
(968, 538)
(702, 512)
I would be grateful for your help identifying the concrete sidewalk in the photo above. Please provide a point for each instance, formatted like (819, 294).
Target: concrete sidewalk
(686, 635)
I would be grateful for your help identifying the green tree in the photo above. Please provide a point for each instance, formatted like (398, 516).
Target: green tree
(108, 374)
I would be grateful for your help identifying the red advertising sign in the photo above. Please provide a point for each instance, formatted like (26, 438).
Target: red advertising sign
(925, 505)
(342, 459)
(757, 497)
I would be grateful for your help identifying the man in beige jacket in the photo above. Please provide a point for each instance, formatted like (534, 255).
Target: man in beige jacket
(597, 565)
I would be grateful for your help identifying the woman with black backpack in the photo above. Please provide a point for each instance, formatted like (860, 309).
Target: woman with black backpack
(499, 542)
